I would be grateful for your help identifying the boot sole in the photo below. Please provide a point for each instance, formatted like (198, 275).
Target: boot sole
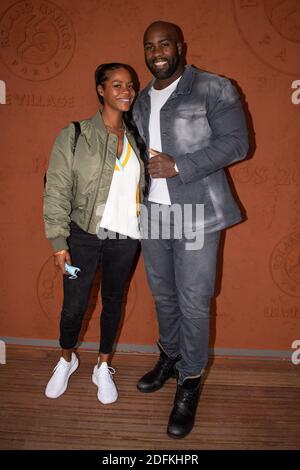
(174, 436)
(156, 388)
(150, 391)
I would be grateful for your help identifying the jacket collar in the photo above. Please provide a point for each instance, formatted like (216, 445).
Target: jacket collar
(184, 85)
(98, 122)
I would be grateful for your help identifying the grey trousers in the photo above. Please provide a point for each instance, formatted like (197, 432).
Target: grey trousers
(182, 283)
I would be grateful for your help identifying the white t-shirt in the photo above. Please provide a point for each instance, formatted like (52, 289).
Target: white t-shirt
(120, 212)
(159, 192)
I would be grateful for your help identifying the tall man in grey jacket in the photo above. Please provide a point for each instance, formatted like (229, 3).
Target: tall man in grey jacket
(193, 124)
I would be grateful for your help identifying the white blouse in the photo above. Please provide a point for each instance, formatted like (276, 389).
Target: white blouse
(121, 209)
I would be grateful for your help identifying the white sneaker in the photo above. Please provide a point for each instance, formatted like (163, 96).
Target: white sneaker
(102, 377)
(58, 383)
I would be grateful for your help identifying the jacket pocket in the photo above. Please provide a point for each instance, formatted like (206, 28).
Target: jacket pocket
(191, 114)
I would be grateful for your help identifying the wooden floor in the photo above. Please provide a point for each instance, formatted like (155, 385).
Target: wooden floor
(245, 404)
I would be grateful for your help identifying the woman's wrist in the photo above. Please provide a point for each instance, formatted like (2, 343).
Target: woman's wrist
(61, 252)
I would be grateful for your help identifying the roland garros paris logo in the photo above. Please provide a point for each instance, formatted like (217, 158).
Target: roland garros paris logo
(37, 39)
(271, 30)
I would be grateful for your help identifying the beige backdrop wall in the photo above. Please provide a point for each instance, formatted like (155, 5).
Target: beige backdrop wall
(49, 51)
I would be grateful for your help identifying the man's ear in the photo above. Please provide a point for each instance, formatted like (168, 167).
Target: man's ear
(180, 47)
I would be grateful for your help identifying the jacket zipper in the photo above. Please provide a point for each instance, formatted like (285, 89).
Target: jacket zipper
(98, 181)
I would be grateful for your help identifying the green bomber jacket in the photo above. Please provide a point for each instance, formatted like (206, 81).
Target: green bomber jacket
(74, 182)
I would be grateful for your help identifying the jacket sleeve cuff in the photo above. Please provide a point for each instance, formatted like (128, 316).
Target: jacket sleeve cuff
(184, 169)
(59, 243)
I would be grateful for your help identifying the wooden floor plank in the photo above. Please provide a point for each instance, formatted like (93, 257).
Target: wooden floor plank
(244, 404)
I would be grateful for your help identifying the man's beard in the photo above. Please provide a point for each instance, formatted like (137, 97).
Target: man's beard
(166, 72)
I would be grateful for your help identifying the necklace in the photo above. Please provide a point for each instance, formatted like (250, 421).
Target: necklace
(114, 128)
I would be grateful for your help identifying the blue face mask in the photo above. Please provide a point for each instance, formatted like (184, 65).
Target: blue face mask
(72, 270)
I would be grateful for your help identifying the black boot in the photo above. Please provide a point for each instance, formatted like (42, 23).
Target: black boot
(182, 418)
(164, 369)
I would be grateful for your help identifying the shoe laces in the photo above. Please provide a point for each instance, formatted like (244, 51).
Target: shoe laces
(107, 373)
(61, 364)
(187, 396)
(165, 363)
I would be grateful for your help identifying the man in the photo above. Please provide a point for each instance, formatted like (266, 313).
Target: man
(193, 124)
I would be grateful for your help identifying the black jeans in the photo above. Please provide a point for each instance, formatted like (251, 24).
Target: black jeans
(115, 256)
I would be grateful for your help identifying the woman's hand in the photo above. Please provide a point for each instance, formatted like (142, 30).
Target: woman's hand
(60, 258)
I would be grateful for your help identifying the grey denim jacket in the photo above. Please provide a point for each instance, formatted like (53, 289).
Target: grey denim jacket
(203, 128)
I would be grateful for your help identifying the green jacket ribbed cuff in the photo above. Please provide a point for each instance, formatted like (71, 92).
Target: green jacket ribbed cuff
(59, 243)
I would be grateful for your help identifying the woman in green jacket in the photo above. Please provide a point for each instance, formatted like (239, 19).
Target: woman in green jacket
(91, 212)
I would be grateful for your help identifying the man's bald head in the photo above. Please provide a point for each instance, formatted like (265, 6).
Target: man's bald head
(169, 28)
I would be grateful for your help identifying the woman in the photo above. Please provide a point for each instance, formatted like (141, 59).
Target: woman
(91, 218)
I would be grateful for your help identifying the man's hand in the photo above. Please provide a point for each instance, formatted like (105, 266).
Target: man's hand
(60, 258)
(161, 165)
